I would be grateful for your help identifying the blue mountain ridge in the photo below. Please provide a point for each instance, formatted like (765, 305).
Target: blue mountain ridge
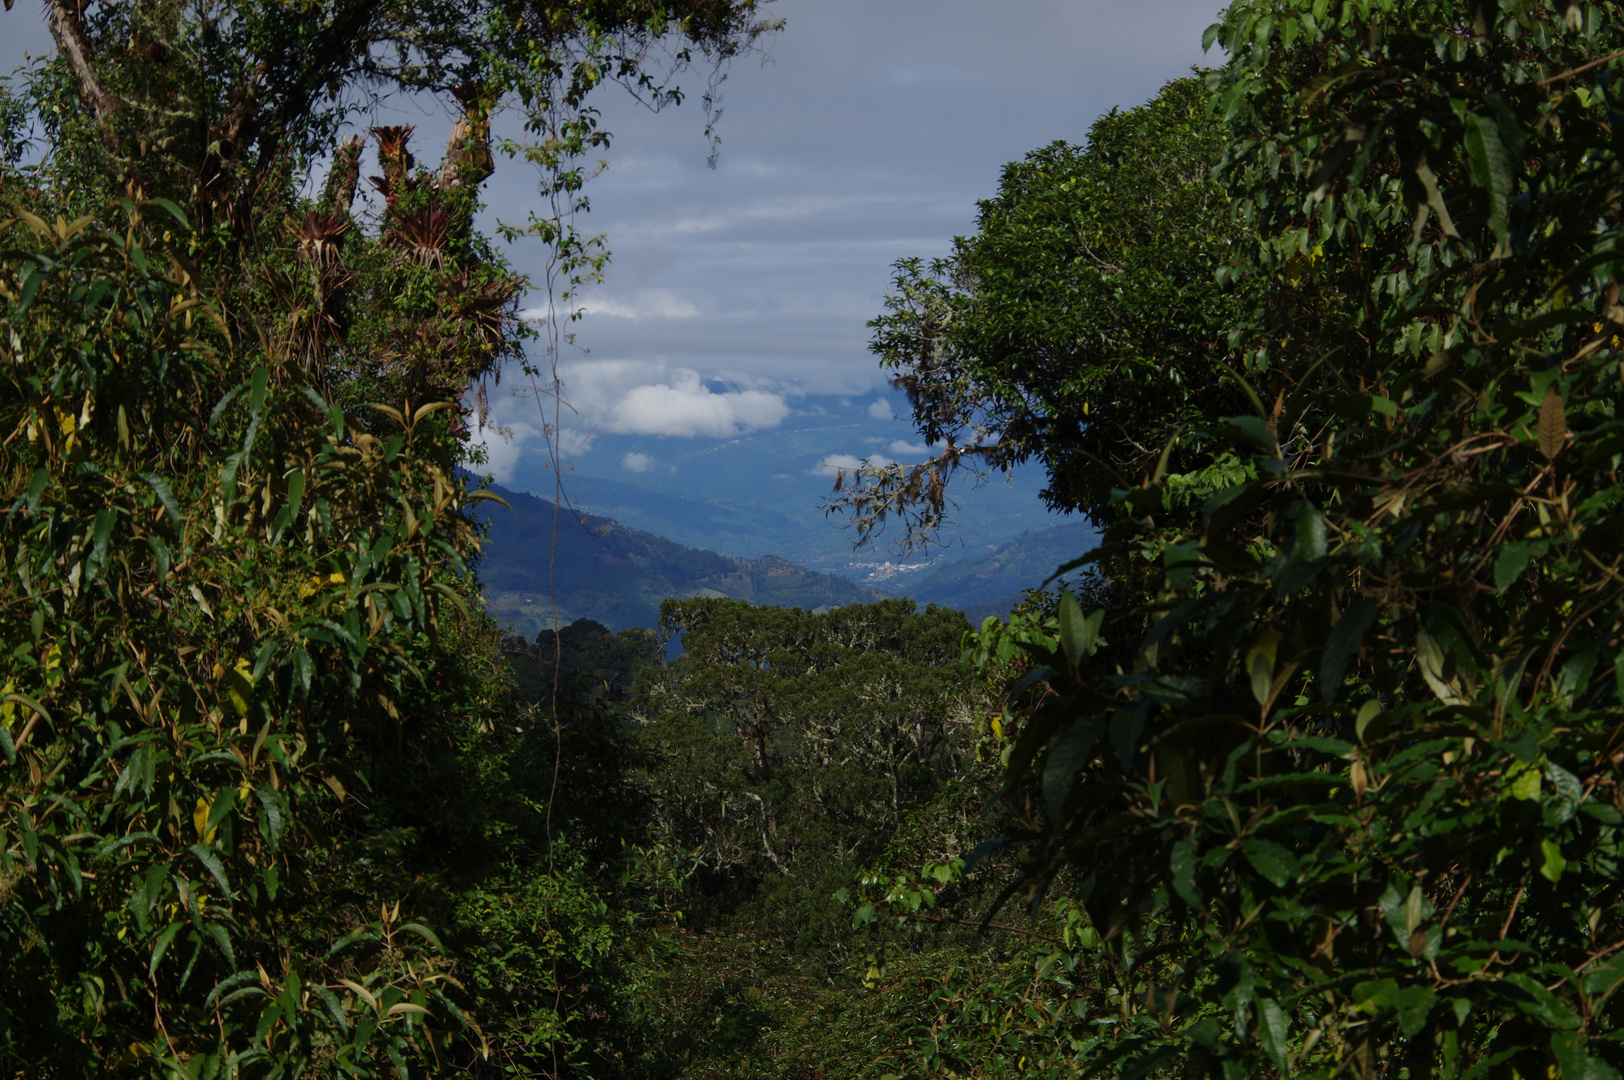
(601, 569)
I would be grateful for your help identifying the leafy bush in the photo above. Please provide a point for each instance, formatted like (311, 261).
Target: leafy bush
(1353, 805)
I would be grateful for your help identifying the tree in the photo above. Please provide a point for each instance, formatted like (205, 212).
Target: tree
(1081, 327)
(1354, 806)
(791, 745)
(243, 689)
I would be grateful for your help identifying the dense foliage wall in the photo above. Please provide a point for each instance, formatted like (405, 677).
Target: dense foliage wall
(1340, 795)
(1343, 794)
(268, 806)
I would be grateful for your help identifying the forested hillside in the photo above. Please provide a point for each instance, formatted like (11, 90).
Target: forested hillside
(1313, 770)
(595, 568)
(994, 582)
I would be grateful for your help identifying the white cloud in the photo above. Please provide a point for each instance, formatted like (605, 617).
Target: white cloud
(651, 304)
(639, 463)
(502, 452)
(782, 209)
(904, 449)
(881, 410)
(641, 397)
(835, 464)
(687, 407)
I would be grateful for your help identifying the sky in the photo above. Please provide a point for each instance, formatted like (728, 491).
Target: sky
(734, 309)
(738, 296)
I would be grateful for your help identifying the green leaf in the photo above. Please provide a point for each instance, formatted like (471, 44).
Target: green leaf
(1310, 541)
(1414, 1005)
(425, 933)
(1522, 782)
(1270, 859)
(173, 211)
(1602, 981)
(223, 803)
(1342, 643)
(1491, 168)
(1183, 867)
(229, 983)
(1272, 1031)
(1513, 560)
(1069, 753)
(272, 826)
(1260, 664)
(1530, 997)
(211, 863)
(225, 403)
(1553, 865)
(1072, 628)
(222, 939)
(101, 532)
(1255, 429)
(161, 946)
(160, 555)
(36, 489)
(166, 497)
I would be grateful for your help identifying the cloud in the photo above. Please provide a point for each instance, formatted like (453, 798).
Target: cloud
(835, 464)
(652, 304)
(686, 407)
(881, 410)
(502, 451)
(639, 397)
(903, 448)
(638, 463)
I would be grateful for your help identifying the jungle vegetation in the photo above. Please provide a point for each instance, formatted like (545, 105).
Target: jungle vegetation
(1312, 771)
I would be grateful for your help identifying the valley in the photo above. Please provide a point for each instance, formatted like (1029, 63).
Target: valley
(616, 575)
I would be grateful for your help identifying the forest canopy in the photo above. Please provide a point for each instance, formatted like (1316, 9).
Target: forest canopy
(1315, 773)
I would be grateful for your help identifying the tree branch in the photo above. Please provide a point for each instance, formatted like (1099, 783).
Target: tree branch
(69, 32)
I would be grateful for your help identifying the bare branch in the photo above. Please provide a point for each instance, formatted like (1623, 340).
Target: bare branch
(69, 31)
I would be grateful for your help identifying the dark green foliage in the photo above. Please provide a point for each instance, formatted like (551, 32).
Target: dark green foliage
(582, 657)
(1080, 327)
(260, 770)
(1353, 804)
(791, 746)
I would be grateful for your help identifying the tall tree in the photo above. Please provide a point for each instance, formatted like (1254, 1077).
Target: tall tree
(1081, 327)
(243, 690)
(1353, 806)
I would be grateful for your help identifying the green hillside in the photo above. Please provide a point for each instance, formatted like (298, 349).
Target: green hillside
(617, 576)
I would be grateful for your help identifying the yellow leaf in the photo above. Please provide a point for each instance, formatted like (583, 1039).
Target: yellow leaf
(315, 584)
(200, 819)
(241, 686)
(362, 992)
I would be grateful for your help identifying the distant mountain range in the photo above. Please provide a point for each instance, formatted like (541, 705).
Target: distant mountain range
(617, 576)
(992, 583)
(764, 493)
